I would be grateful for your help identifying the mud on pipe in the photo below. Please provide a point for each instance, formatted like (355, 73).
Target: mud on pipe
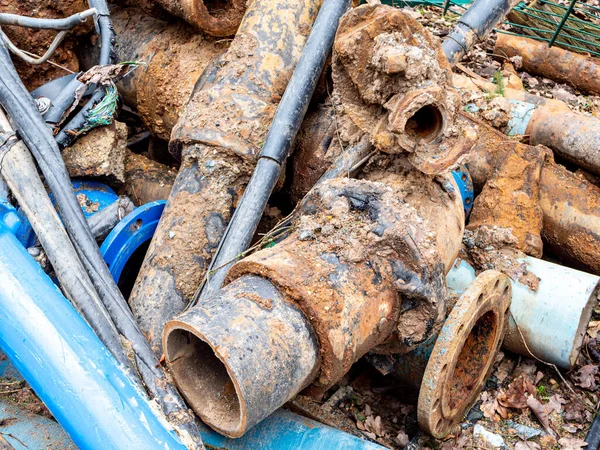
(329, 273)
(215, 17)
(218, 139)
(175, 57)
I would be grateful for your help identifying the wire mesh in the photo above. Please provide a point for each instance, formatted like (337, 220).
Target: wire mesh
(573, 26)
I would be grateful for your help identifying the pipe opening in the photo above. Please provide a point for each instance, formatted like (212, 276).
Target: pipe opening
(472, 360)
(218, 8)
(205, 381)
(426, 124)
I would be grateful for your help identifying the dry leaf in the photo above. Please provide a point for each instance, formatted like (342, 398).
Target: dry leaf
(572, 443)
(402, 439)
(377, 427)
(541, 412)
(517, 393)
(593, 329)
(585, 377)
(490, 407)
(526, 445)
(575, 411)
(570, 428)
(556, 401)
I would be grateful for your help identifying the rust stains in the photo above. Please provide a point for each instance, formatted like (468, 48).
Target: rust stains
(581, 72)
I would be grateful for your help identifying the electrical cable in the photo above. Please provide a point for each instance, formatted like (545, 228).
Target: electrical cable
(46, 24)
(37, 136)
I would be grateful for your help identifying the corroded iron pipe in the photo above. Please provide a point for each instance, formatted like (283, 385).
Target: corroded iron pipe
(174, 57)
(572, 135)
(581, 72)
(215, 17)
(570, 204)
(363, 267)
(147, 180)
(218, 138)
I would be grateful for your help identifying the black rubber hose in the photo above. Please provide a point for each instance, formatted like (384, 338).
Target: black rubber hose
(20, 106)
(474, 25)
(107, 56)
(278, 143)
(593, 436)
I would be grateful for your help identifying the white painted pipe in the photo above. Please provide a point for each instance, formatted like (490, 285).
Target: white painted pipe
(553, 320)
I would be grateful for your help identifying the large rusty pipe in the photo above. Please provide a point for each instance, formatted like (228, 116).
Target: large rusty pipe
(218, 138)
(580, 71)
(570, 204)
(572, 135)
(215, 17)
(211, 363)
(327, 289)
(174, 57)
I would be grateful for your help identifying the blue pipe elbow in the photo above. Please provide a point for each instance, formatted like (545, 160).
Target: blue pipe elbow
(65, 363)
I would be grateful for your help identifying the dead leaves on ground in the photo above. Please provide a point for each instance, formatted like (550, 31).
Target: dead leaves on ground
(585, 377)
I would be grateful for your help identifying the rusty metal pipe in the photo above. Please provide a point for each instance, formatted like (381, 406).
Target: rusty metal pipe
(218, 137)
(570, 204)
(208, 351)
(174, 57)
(147, 180)
(581, 72)
(572, 135)
(279, 141)
(215, 17)
(347, 295)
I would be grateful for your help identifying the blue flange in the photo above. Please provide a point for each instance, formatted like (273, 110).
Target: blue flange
(465, 186)
(95, 197)
(130, 233)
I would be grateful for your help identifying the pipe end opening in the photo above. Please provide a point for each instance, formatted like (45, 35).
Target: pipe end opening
(473, 360)
(426, 124)
(205, 381)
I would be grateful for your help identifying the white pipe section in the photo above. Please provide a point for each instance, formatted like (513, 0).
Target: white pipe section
(553, 320)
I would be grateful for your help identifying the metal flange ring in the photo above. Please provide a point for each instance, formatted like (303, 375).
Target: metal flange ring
(464, 353)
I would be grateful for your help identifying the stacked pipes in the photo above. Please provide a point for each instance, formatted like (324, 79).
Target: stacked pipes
(218, 139)
(365, 263)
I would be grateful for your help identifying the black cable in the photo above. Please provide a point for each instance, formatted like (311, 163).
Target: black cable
(105, 28)
(593, 436)
(30, 125)
(283, 130)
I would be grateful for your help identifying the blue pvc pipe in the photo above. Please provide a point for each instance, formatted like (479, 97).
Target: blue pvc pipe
(65, 363)
(284, 430)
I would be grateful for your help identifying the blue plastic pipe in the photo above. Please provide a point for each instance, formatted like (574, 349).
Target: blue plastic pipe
(284, 430)
(65, 363)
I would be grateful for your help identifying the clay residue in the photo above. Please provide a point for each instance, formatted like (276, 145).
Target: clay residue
(100, 153)
(510, 200)
(493, 248)
(38, 41)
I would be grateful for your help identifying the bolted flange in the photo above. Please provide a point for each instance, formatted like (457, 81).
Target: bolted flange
(464, 353)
